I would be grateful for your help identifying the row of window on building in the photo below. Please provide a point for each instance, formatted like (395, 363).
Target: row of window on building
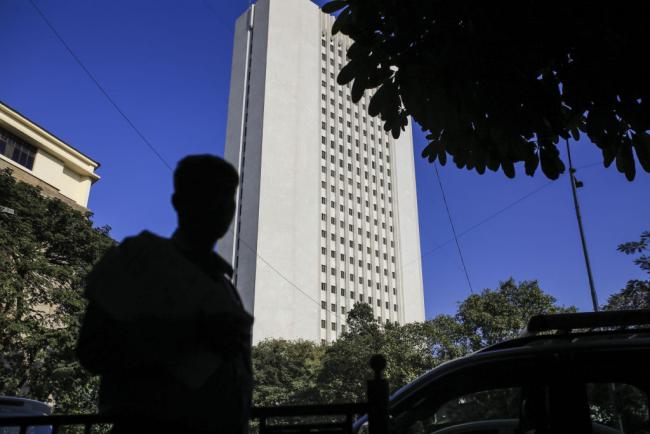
(17, 149)
(356, 137)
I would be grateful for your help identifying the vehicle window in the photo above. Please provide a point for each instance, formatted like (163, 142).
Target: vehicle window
(483, 405)
(472, 409)
(620, 406)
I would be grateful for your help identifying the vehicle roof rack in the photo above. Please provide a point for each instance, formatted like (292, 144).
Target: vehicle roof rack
(566, 322)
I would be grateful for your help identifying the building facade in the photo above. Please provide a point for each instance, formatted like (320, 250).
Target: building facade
(326, 210)
(39, 158)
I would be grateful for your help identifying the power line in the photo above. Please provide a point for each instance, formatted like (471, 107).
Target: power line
(487, 219)
(453, 229)
(277, 271)
(99, 86)
(497, 213)
(586, 166)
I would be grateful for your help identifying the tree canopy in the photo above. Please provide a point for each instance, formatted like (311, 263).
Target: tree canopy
(498, 83)
(46, 250)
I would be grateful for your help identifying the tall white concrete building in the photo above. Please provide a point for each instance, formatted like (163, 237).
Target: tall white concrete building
(327, 212)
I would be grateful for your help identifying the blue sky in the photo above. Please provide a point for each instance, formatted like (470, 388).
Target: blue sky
(167, 65)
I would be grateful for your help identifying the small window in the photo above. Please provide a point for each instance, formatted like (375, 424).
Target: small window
(620, 406)
(323, 324)
(16, 149)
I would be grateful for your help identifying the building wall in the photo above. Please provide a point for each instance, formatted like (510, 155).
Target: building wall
(407, 222)
(246, 100)
(287, 286)
(317, 188)
(69, 183)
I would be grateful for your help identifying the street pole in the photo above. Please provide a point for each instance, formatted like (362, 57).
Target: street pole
(572, 177)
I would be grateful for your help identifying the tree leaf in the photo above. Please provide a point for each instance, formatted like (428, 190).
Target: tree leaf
(508, 168)
(641, 143)
(334, 6)
(530, 164)
(341, 21)
(625, 160)
(380, 100)
(348, 72)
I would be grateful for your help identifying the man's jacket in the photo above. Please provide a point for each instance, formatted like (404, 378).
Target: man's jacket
(167, 332)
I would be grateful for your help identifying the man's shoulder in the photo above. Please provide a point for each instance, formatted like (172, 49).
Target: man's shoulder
(221, 264)
(144, 243)
(144, 238)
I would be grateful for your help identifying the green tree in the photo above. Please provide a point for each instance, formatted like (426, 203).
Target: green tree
(636, 294)
(344, 370)
(497, 83)
(495, 315)
(446, 337)
(361, 320)
(345, 366)
(46, 250)
(285, 371)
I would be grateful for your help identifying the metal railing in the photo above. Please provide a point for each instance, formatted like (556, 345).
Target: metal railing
(289, 419)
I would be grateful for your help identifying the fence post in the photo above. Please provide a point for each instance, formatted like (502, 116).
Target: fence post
(377, 397)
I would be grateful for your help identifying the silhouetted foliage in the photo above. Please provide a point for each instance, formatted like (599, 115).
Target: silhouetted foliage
(495, 84)
(634, 247)
(46, 250)
(636, 294)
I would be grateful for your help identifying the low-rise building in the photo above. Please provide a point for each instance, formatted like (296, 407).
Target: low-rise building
(39, 158)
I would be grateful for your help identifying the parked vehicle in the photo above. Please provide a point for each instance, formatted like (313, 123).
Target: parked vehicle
(567, 373)
(11, 406)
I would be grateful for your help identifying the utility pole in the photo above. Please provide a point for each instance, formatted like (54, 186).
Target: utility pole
(575, 184)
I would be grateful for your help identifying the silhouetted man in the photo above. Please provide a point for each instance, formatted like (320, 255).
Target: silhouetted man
(164, 327)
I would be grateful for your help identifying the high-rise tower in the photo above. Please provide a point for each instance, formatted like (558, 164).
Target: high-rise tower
(326, 210)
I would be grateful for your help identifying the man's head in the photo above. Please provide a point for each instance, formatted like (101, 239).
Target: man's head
(204, 198)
